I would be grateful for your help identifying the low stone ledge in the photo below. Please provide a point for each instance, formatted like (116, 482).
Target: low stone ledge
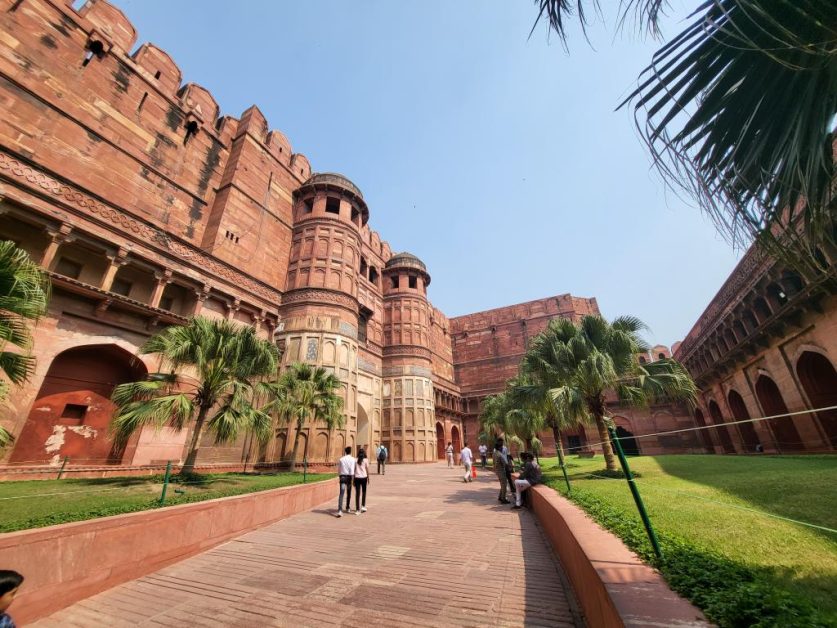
(66, 563)
(613, 586)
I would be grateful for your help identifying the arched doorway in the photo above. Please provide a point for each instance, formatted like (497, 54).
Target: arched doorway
(626, 438)
(72, 411)
(819, 379)
(784, 431)
(455, 439)
(739, 413)
(363, 434)
(440, 441)
(723, 433)
(705, 438)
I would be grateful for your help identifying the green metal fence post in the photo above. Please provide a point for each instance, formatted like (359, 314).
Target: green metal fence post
(304, 469)
(165, 483)
(63, 464)
(634, 491)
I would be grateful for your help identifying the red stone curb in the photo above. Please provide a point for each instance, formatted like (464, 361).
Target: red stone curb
(613, 586)
(66, 563)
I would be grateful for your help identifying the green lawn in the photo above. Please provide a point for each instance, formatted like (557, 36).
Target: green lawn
(722, 557)
(37, 503)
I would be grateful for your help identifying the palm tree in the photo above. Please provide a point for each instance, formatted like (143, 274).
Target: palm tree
(581, 363)
(24, 293)
(216, 370)
(307, 393)
(738, 112)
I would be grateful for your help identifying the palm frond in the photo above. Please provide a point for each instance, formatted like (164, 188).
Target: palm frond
(738, 113)
(174, 410)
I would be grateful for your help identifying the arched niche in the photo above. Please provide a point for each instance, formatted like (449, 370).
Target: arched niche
(723, 433)
(72, 411)
(819, 381)
(784, 431)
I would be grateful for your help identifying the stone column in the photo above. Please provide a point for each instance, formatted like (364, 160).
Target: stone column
(201, 295)
(163, 279)
(56, 237)
(232, 308)
(117, 261)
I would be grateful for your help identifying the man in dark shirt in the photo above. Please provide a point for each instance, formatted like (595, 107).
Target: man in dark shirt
(530, 476)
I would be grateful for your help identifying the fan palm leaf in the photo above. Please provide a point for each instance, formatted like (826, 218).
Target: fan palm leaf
(209, 374)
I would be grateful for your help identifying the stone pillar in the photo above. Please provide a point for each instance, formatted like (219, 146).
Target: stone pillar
(232, 308)
(163, 279)
(56, 237)
(117, 261)
(201, 295)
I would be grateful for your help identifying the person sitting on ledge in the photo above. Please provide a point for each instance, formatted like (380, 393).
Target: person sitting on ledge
(530, 476)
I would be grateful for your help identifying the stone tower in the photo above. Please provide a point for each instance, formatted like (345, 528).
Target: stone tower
(408, 418)
(320, 309)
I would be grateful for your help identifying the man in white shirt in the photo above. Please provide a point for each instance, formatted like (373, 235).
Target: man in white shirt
(467, 459)
(483, 454)
(346, 471)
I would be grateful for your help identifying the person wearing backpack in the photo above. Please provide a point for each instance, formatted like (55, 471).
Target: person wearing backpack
(381, 454)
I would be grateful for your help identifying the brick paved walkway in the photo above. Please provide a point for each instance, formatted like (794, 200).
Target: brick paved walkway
(430, 551)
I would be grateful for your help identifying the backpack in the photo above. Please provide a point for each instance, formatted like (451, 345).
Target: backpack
(382, 454)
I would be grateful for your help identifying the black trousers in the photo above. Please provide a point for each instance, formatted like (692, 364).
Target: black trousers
(382, 466)
(360, 485)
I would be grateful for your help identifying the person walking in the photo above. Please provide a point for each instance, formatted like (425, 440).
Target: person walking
(449, 454)
(500, 460)
(483, 449)
(529, 477)
(467, 459)
(361, 481)
(346, 470)
(381, 454)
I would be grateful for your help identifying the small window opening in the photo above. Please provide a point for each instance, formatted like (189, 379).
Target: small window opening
(68, 268)
(355, 216)
(362, 328)
(661, 356)
(373, 275)
(308, 205)
(142, 101)
(232, 237)
(78, 5)
(166, 303)
(74, 411)
(191, 130)
(94, 48)
(333, 205)
(413, 282)
(363, 267)
(120, 286)
(642, 359)
(393, 281)
(157, 74)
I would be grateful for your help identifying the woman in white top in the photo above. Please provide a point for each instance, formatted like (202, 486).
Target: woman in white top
(361, 480)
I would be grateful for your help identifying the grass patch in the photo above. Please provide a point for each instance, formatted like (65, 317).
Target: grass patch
(741, 567)
(39, 503)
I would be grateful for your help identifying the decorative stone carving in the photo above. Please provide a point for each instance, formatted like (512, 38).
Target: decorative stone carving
(14, 168)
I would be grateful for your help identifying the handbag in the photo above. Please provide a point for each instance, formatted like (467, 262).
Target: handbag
(474, 471)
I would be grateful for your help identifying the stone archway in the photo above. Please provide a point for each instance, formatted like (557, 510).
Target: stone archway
(363, 432)
(819, 380)
(704, 436)
(739, 413)
(72, 411)
(723, 433)
(455, 439)
(440, 442)
(630, 446)
(784, 431)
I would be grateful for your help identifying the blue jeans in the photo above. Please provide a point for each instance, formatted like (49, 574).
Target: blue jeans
(345, 487)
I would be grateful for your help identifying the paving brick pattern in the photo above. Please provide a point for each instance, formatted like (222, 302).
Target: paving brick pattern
(430, 551)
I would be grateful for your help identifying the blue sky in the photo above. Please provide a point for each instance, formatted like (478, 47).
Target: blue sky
(497, 159)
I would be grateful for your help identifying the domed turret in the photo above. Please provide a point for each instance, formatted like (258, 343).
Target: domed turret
(408, 265)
